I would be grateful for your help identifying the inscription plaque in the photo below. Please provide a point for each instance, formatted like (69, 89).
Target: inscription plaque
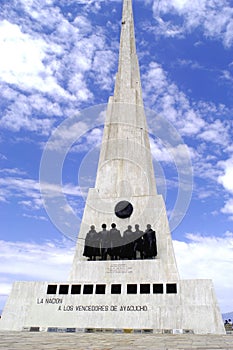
(119, 268)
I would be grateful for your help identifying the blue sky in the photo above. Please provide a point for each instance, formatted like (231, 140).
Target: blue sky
(59, 58)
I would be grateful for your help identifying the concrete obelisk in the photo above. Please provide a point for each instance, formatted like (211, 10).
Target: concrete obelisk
(125, 170)
(136, 294)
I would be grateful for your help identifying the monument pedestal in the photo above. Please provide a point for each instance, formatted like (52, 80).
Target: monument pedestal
(115, 296)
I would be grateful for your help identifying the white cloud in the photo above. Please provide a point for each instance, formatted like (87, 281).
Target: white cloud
(200, 121)
(12, 171)
(208, 258)
(66, 134)
(26, 69)
(27, 191)
(216, 132)
(19, 261)
(190, 119)
(36, 217)
(190, 63)
(57, 57)
(227, 75)
(226, 178)
(19, 115)
(103, 63)
(68, 189)
(78, 86)
(170, 102)
(213, 17)
(164, 153)
(228, 208)
(2, 157)
(25, 254)
(88, 142)
(159, 152)
(19, 187)
(206, 168)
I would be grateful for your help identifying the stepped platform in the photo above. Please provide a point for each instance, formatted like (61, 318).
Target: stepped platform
(108, 341)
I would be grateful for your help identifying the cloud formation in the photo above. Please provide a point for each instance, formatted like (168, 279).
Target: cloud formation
(58, 54)
(209, 258)
(19, 262)
(211, 16)
(27, 192)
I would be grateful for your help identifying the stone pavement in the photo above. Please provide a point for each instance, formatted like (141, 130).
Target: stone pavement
(84, 341)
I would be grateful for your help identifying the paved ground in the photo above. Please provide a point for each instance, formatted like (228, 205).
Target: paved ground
(81, 341)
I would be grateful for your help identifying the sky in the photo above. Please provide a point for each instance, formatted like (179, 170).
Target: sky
(58, 62)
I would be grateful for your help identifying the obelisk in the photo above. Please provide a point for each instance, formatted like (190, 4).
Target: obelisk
(125, 171)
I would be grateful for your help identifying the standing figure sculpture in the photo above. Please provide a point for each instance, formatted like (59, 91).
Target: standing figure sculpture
(127, 251)
(138, 243)
(91, 244)
(115, 242)
(104, 242)
(149, 243)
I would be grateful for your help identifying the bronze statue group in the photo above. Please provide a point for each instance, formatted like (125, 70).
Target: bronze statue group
(111, 245)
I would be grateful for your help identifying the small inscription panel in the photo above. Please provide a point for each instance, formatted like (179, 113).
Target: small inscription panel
(119, 268)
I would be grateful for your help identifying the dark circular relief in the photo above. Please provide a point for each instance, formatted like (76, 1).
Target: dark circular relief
(123, 209)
